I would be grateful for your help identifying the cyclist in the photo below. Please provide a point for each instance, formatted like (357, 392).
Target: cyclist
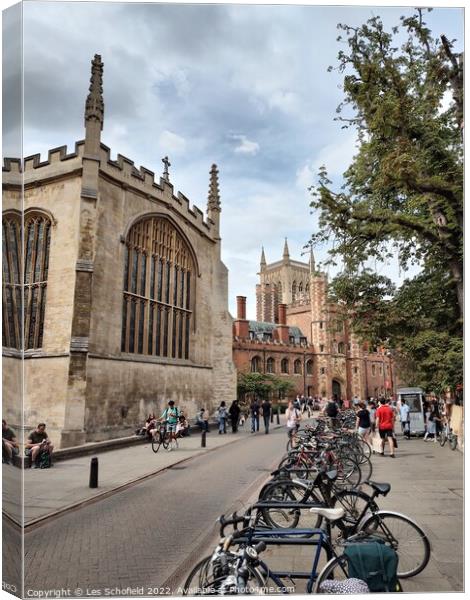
(170, 415)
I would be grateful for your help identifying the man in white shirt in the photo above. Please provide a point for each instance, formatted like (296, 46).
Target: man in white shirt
(405, 418)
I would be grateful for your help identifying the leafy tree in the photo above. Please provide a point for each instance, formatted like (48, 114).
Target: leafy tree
(403, 192)
(262, 385)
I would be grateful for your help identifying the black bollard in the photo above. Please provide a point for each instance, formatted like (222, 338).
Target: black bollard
(277, 416)
(94, 472)
(203, 439)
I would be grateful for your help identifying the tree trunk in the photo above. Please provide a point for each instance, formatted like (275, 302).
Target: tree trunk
(457, 274)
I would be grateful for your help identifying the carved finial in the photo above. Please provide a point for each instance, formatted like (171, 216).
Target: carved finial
(213, 200)
(285, 254)
(94, 107)
(312, 261)
(166, 173)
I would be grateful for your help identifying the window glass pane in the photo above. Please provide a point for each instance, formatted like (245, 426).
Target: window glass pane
(132, 327)
(175, 288)
(135, 258)
(173, 341)
(160, 280)
(152, 277)
(165, 333)
(33, 317)
(14, 249)
(167, 282)
(41, 316)
(39, 250)
(143, 272)
(180, 336)
(125, 304)
(126, 269)
(157, 333)
(186, 338)
(182, 289)
(140, 345)
(150, 339)
(188, 291)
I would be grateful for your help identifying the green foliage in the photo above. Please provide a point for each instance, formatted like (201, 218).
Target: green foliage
(262, 385)
(403, 192)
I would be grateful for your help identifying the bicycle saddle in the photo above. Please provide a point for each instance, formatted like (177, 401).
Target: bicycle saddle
(380, 488)
(332, 514)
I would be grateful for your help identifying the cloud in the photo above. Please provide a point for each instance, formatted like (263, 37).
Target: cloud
(245, 146)
(172, 142)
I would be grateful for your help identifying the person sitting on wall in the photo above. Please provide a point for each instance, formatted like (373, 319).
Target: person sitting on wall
(38, 444)
(182, 427)
(202, 420)
(9, 444)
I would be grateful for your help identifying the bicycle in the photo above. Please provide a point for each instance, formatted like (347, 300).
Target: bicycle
(445, 434)
(161, 437)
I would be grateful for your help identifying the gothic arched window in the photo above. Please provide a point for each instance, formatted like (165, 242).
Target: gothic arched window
(256, 364)
(297, 367)
(301, 288)
(294, 290)
(309, 367)
(270, 365)
(158, 290)
(285, 365)
(35, 249)
(341, 348)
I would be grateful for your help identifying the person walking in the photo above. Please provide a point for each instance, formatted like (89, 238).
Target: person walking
(266, 411)
(363, 422)
(405, 419)
(292, 418)
(331, 410)
(372, 411)
(254, 410)
(385, 421)
(222, 414)
(234, 412)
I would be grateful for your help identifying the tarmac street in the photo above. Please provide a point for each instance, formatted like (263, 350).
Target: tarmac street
(147, 536)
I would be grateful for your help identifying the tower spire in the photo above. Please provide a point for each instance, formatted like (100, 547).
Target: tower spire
(262, 262)
(94, 107)
(213, 198)
(312, 261)
(285, 254)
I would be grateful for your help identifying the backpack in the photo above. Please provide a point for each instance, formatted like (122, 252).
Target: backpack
(222, 412)
(375, 563)
(44, 460)
(332, 409)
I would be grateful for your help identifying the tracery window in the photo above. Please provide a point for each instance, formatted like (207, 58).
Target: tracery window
(36, 246)
(270, 365)
(158, 290)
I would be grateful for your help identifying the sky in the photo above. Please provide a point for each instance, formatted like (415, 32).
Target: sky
(242, 86)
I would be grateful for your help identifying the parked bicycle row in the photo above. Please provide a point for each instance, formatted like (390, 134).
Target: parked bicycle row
(320, 496)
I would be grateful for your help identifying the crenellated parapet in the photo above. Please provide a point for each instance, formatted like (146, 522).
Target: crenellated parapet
(121, 171)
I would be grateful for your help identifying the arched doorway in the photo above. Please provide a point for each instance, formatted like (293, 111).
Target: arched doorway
(336, 389)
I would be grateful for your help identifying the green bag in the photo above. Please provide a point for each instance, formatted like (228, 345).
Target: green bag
(375, 563)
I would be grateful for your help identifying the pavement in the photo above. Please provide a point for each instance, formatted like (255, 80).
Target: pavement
(428, 486)
(49, 492)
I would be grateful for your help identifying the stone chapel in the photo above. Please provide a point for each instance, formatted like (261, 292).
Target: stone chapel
(125, 292)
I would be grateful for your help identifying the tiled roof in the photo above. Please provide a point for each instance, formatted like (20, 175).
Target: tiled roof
(261, 327)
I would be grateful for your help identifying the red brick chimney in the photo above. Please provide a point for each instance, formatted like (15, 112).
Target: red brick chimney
(240, 326)
(282, 329)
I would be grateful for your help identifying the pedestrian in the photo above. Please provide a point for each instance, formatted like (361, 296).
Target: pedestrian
(266, 410)
(355, 401)
(254, 411)
(309, 406)
(331, 410)
(405, 419)
(385, 420)
(372, 411)
(234, 412)
(222, 414)
(432, 419)
(363, 421)
(203, 420)
(292, 418)
(297, 402)
(171, 415)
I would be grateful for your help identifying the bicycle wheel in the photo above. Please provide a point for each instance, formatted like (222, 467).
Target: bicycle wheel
(453, 440)
(299, 464)
(349, 472)
(166, 440)
(442, 438)
(288, 518)
(335, 569)
(156, 442)
(354, 503)
(407, 539)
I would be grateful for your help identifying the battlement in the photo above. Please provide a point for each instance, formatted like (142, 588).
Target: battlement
(121, 169)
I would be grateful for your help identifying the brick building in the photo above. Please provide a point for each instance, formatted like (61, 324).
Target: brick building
(329, 359)
(126, 296)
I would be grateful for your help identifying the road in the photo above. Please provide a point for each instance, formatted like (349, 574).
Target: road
(138, 537)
